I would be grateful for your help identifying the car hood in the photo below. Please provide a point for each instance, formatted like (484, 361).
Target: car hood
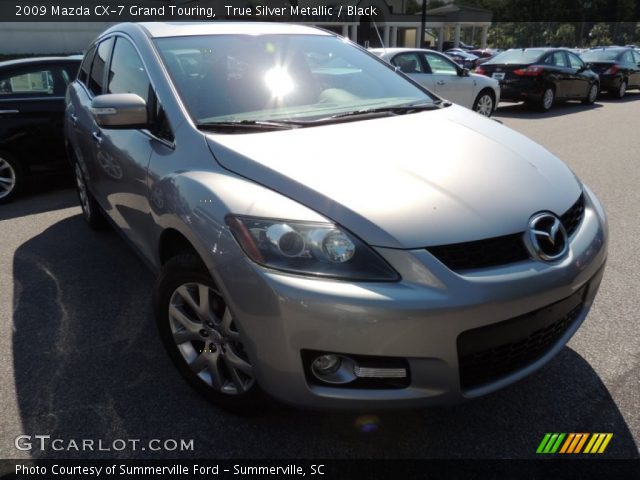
(409, 181)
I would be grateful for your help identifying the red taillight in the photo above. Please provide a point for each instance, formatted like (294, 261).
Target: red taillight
(480, 71)
(611, 70)
(528, 72)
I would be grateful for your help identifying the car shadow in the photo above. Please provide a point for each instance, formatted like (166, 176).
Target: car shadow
(631, 96)
(88, 364)
(45, 200)
(522, 110)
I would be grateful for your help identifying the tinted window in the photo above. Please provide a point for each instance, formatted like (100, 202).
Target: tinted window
(96, 77)
(636, 57)
(408, 62)
(126, 72)
(439, 64)
(85, 67)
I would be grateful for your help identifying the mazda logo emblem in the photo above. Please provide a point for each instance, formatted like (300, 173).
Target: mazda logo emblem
(547, 238)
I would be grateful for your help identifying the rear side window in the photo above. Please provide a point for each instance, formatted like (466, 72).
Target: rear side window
(408, 62)
(96, 77)
(85, 67)
(36, 81)
(126, 72)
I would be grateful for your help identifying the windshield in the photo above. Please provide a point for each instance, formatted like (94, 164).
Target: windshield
(600, 55)
(525, 56)
(235, 78)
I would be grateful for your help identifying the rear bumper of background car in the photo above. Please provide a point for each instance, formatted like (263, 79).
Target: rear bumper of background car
(457, 335)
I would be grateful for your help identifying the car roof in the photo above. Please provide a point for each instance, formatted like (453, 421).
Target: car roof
(35, 60)
(183, 29)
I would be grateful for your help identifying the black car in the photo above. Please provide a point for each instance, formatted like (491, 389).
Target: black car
(540, 76)
(31, 112)
(618, 67)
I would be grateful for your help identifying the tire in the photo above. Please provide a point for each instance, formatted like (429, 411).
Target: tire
(592, 94)
(621, 91)
(485, 103)
(12, 178)
(91, 211)
(547, 99)
(199, 334)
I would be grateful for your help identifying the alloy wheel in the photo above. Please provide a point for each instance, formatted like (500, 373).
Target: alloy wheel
(7, 178)
(593, 93)
(622, 89)
(484, 105)
(547, 99)
(204, 332)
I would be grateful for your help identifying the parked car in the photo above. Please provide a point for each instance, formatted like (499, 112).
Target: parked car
(540, 76)
(444, 77)
(31, 118)
(323, 228)
(463, 58)
(618, 68)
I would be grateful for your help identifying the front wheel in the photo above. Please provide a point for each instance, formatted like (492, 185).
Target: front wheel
(484, 104)
(200, 334)
(90, 209)
(592, 95)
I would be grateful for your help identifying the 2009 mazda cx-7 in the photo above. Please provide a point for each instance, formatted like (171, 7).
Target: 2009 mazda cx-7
(324, 229)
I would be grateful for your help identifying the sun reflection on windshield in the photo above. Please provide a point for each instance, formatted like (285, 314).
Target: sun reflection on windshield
(279, 82)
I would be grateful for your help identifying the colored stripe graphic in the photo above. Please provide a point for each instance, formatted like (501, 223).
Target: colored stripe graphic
(567, 442)
(543, 443)
(573, 443)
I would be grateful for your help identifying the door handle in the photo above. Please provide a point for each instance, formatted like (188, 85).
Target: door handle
(440, 82)
(74, 118)
(97, 137)
(3, 112)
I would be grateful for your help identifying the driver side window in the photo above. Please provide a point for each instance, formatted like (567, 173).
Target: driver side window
(440, 64)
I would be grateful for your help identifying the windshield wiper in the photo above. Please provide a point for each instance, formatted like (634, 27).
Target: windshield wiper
(252, 124)
(393, 110)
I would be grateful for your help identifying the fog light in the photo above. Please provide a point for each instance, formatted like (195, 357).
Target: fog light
(333, 369)
(326, 364)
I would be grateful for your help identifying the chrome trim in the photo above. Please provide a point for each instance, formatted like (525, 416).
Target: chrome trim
(370, 372)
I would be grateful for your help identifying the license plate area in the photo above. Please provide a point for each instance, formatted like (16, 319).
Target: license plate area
(498, 75)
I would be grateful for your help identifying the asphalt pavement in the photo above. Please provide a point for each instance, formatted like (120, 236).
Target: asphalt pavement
(80, 357)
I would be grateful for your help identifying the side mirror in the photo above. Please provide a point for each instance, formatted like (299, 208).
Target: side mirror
(120, 110)
(463, 72)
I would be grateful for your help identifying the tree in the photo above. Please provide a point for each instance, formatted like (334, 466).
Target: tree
(600, 34)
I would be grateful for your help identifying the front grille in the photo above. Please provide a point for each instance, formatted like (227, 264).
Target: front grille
(496, 251)
(571, 218)
(489, 353)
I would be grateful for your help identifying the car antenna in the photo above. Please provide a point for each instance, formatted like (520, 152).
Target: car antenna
(384, 47)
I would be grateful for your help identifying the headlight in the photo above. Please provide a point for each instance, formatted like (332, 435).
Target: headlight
(308, 248)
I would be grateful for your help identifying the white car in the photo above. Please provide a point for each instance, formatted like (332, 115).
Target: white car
(445, 78)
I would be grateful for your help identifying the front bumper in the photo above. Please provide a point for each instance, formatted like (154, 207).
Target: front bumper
(419, 319)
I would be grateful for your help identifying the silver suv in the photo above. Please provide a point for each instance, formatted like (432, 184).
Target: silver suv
(324, 229)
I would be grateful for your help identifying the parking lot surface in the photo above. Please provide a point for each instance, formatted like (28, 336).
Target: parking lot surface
(80, 357)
